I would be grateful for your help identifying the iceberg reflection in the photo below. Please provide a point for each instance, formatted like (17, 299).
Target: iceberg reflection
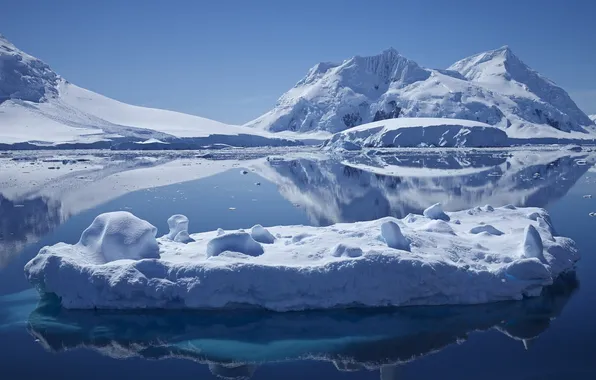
(234, 343)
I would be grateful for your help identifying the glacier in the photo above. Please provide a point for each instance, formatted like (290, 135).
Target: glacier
(494, 87)
(432, 259)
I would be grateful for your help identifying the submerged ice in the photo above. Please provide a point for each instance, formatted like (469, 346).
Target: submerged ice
(468, 257)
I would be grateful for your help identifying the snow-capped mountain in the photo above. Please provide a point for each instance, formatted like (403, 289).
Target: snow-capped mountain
(495, 87)
(593, 118)
(40, 107)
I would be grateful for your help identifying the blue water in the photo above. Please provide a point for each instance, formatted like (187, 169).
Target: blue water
(40, 339)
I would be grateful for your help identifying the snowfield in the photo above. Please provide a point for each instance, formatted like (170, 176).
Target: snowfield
(494, 87)
(39, 107)
(419, 132)
(475, 256)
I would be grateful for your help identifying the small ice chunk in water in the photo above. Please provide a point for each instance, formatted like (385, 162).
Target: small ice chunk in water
(236, 242)
(532, 245)
(392, 235)
(261, 234)
(120, 235)
(436, 212)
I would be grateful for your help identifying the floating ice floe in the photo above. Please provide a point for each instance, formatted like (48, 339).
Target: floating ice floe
(476, 256)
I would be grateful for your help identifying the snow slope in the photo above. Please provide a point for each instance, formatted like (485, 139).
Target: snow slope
(475, 256)
(418, 131)
(37, 105)
(593, 118)
(493, 87)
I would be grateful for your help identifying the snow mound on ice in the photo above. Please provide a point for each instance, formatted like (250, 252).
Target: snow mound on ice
(392, 235)
(486, 228)
(178, 225)
(532, 245)
(241, 242)
(419, 132)
(436, 212)
(385, 262)
(261, 234)
(343, 250)
(111, 237)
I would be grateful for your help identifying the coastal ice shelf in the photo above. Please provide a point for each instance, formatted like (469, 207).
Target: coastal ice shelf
(475, 256)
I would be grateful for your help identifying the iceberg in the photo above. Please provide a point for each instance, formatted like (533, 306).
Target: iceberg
(419, 132)
(418, 260)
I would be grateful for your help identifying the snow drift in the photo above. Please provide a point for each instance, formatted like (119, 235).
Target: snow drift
(420, 260)
(419, 132)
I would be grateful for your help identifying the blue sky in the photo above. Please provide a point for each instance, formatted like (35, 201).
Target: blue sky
(230, 60)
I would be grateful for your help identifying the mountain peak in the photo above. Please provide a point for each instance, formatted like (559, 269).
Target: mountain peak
(492, 58)
(504, 49)
(24, 77)
(502, 71)
(391, 52)
(4, 42)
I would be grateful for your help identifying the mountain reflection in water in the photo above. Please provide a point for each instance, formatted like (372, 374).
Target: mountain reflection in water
(367, 187)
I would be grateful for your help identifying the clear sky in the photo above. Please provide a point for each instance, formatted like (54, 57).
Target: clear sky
(230, 60)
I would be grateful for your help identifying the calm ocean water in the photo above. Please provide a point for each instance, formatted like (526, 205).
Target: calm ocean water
(549, 337)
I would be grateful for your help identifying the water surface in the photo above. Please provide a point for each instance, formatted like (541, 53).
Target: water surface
(548, 337)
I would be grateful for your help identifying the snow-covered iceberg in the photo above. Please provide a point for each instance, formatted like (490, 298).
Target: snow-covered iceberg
(419, 132)
(385, 262)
